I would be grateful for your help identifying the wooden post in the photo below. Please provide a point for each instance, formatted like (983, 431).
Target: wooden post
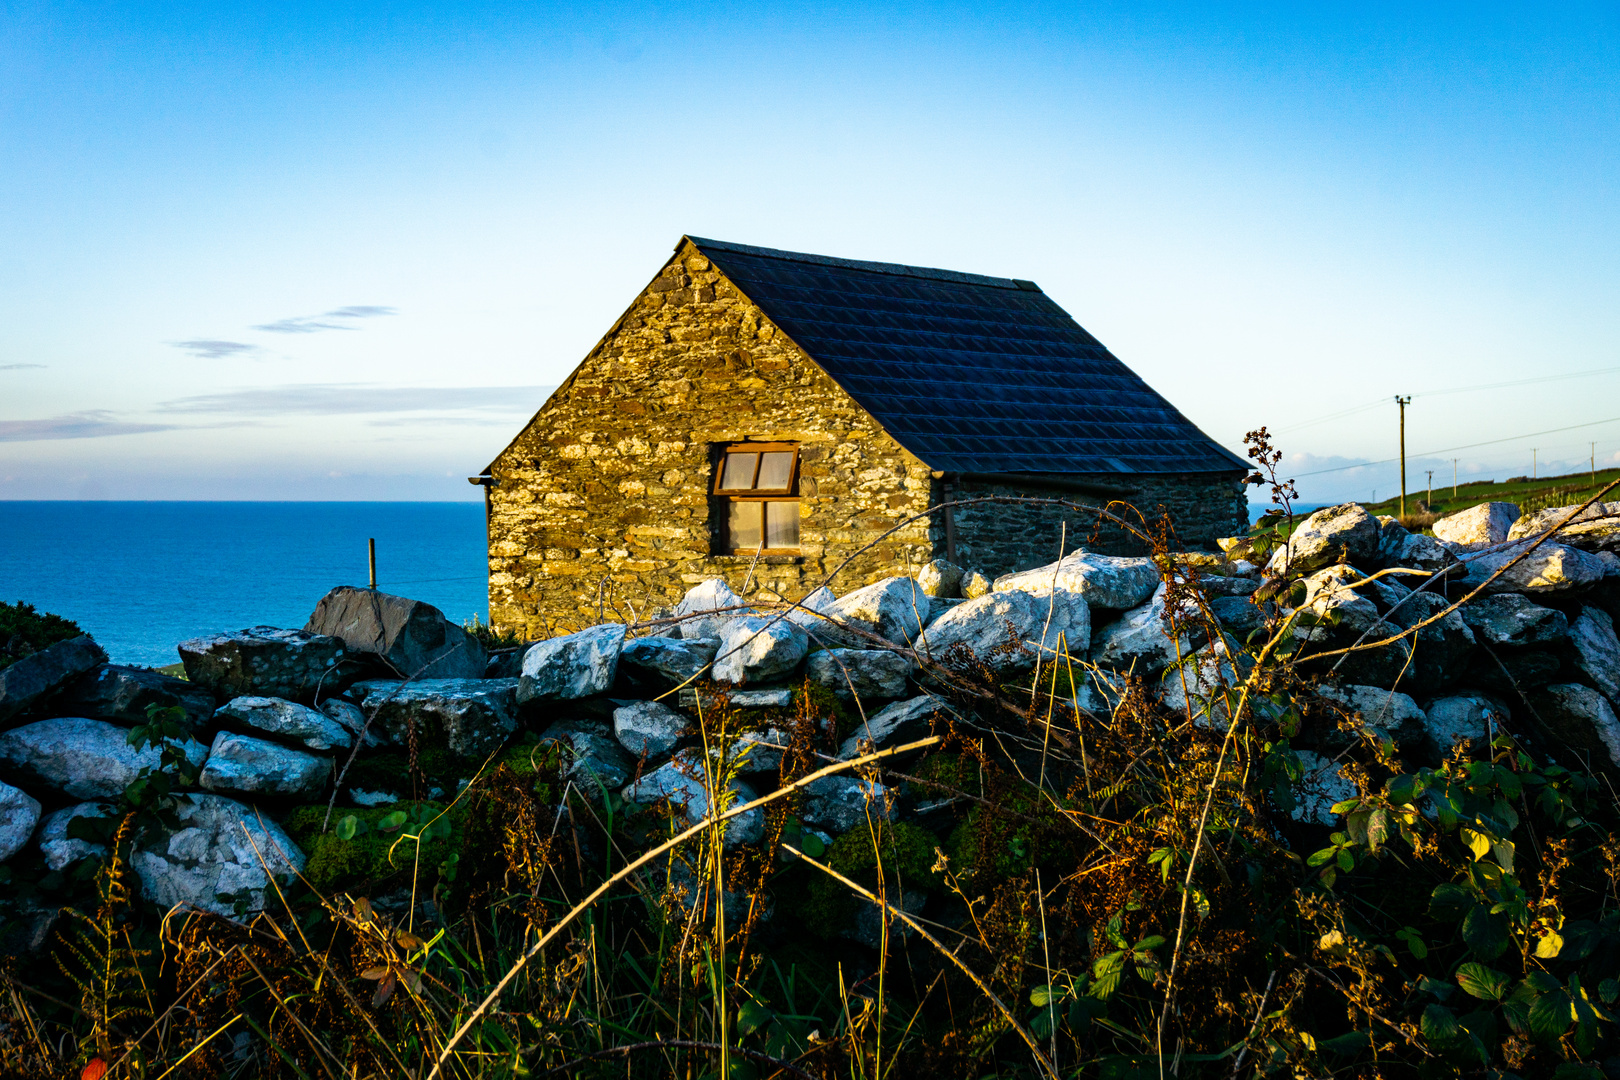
(371, 559)
(1403, 402)
(1431, 490)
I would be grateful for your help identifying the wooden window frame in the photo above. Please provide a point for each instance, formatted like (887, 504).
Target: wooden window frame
(726, 496)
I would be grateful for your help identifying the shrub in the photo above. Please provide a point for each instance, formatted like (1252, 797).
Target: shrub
(24, 631)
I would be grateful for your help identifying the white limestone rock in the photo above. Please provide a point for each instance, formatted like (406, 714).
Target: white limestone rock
(812, 611)
(756, 648)
(223, 852)
(1323, 786)
(941, 578)
(839, 803)
(667, 660)
(474, 716)
(1597, 650)
(285, 720)
(681, 782)
(1390, 711)
(60, 849)
(1009, 630)
(242, 765)
(19, 813)
(1513, 621)
(901, 722)
(648, 727)
(700, 600)
(353, 720)
(590, 755)
(1139, 640)
(1597, 528)
(1581, 718)
(1208, 681)
(1112, 582)
(573, 666)
(975, 583)
(1473, 717)
(870, 674)
(1413, 551)
(1334, 534)
(1550, 568)
(896, 609)
(1478, 526)
(82, 758)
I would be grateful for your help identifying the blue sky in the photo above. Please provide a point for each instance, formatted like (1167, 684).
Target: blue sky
(341, 252)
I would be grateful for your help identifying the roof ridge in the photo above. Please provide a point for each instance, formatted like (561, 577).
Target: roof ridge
(896, 269)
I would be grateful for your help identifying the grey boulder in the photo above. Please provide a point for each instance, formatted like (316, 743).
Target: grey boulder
(1581, 718)
(473, 716)
(1487, 523)
(681, 782)
(590, 755)
(353, 720)
(242, 765)
(1597, 528)
(697, 609)
(975, 583)
(40, 674)
(811, 612)
(648, 727)
(756, 648)
(1009, 630)
(1322, 786)
(286, 720)
(80, 757)
(759, 751)
(573, 666)
(222, 854)
(123, 694)
(265, 660)
(1393, 713)
(1204, 685)
(19, 813)
(1335, 534)
(60, 849)
(1473, 718)
(1139, 640)
(667, 660)
(1513, 621)
(1597, 650)
(895, 609)
(1549, 568)
(840, 803)
(901, 722)
(941, 578)
(412, 638)
(1114, 582)
(1413, 551)
(868, 674)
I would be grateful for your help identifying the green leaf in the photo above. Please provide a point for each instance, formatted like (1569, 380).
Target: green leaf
(1550, 1016)
(1477, 842)
(1482, 982)
(1450, 899)
(812, 846)
(1486, 935)
(1346, 806)
(1549, 945)
(1148, 943)
(1439, 1024)
(753, 1016)
(1349, 1043)
(1041, 996)
(1608, 990)
(393, 821)
(347, 827)
(1326, 855)
(1539, 982)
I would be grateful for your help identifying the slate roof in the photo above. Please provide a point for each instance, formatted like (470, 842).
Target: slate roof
(970, 373)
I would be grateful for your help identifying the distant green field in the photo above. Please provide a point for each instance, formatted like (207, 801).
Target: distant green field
(1528, 494)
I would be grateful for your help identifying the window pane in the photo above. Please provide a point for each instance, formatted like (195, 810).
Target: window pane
(781, 525)
(742, 525)
(775, 471)
(738, 472)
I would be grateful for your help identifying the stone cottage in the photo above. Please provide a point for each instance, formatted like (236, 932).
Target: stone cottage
(781, 416)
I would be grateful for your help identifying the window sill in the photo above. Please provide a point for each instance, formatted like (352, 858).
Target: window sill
(779, 557)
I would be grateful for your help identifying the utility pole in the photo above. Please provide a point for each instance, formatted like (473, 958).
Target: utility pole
(1535, 467)
(371, 559)
(1403, 402)
(1431, 490)
(1594, 464)
(1453, 478)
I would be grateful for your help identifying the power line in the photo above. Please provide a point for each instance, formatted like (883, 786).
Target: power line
(1469, 446)
(1364, 407)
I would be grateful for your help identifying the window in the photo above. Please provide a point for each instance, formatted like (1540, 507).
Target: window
(759, 484)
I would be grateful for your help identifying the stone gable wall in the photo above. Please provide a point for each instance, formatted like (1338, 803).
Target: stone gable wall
(603, 501)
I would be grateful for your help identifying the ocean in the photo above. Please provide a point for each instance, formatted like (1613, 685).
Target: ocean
(140, 577)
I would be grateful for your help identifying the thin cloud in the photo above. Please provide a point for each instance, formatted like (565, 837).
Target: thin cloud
(94, 424)
(312, 324)
(212, 349)
(338, 399)
(19, 367)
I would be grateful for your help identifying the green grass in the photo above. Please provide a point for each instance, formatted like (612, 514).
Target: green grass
(1536, 494)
